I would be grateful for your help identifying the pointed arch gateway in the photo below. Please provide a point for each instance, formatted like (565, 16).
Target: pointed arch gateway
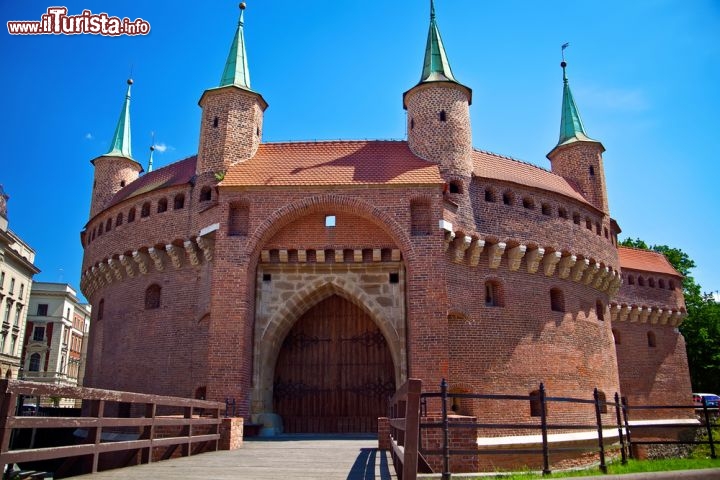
(328, 362)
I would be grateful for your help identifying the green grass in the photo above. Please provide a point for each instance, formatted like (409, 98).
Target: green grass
(633, 466)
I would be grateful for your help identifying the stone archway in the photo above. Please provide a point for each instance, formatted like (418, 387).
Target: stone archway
(334, 372)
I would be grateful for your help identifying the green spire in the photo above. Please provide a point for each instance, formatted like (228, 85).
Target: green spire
(571, 126)
(236, 68)
(436, 67)
(121, 142)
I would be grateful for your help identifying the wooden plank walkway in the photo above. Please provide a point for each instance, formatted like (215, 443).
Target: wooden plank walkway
(283, 458)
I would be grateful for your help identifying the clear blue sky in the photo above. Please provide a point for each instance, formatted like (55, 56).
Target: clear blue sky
(645, 75)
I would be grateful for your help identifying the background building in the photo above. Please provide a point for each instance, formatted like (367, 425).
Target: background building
(57, 326)
(307, 280)
(16, 272)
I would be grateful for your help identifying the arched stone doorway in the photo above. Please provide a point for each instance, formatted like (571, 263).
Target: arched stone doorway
(334, 372)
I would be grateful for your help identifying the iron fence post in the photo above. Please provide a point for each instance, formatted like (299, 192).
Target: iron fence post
(598, 418)
(446, 427)
(618, 407)
(627, 426)
(544, 431)
(708, 427)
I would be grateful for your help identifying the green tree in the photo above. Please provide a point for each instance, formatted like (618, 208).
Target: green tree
(701, 327)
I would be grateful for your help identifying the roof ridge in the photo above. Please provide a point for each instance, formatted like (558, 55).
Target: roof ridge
(508, 157)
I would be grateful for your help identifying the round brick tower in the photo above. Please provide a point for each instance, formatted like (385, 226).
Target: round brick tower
(232, 118)
(116, 168)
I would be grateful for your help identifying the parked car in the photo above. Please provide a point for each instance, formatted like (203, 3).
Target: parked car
(711, 400)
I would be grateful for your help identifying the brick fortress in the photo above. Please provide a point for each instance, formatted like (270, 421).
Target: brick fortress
(307, 280)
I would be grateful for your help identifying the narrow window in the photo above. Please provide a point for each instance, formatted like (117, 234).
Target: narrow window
(179, 201)
(455, 187)
(536, 404)
(600, 310)
(576, 218)
(42, 309)
(562, 213)
(651, 282)
(131, 215)
(122, 183)
(641, 281)
(443, 117)
(661, 283)
(588, 224)
(671, 285)
(528, 203)
(145, 210)
(22, 291)
(205, 194)
(12, 286)
(101, 309)
(631, 279)
(100, 229)
(152, 297)
(119, 219)
(607, 234)
(238, 219)
(493, 294)
(216, 121)
(489, 195)
(602, 401)
(34, 362)
(616, 336)
(162, 205)
(412, 123)
(420, 219)
(651, 339)
(330, 221)
(546, 209)
(38, 334)
(257, 131)
(394, 277)
(598, 228)
(507, 198)
(108, 225)
(267, 277)
(557, 300)
(592, 171)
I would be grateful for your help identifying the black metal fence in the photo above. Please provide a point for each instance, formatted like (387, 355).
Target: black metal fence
(598, 404)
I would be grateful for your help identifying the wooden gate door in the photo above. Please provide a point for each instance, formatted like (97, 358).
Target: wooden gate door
(334, 373)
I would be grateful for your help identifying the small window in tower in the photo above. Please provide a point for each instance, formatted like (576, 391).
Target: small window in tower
(101, 309)
(329, 220)
(557, 300)
(576, 218)
(651, 282)
(162, 205)
(216, 122)
(443, 116)
(671, 285)
(257, 131)
(588, 224)
(152, 297)
(100, 229)
(528, 203)
(119, 219)
(145, 210)
(493, 294)
(607, 234)
(108, 225)
(592, 171)
(641, 281)
(455, 187)
(562, 213)
(394, 277)
(546, 209)
(598, 228)
(122, 183)
(508, 198)
(412, 123)
(661, 283)
(489, 195)
(651, 339)
(631, 279)
(179, 201)
(131, 215)
(600, 310)
(205, 194)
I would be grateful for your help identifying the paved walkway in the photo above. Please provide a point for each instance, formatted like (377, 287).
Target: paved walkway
(286, 458)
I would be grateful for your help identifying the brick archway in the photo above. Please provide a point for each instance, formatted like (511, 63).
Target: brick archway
(271, 332)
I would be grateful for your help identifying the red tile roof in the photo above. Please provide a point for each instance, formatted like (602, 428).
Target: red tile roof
(333, 163)
(178, 173)
(498, 167)
(645, 260)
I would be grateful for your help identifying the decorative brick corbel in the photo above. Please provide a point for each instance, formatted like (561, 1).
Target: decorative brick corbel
(191, 252)
(105, 270)
(476, 248)
(129, 266)
(590, 273)
(461, 245)
(157, 258)
(515, 256)
(566, 263)
(600, 277)
(550, 262)
(115, 267)
(142, 261)
(207, 246)
(495, 253)
(576, 274)
(533, 259)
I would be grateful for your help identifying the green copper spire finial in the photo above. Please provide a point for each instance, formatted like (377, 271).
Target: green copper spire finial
(571, 126)
(236, 68)
(121, 142)
(152, 149)
(436, 67)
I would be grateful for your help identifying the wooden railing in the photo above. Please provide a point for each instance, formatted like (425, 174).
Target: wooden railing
(405, 429)
(149, 427)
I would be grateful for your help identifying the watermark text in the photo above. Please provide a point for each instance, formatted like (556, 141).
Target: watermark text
(56, 21)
